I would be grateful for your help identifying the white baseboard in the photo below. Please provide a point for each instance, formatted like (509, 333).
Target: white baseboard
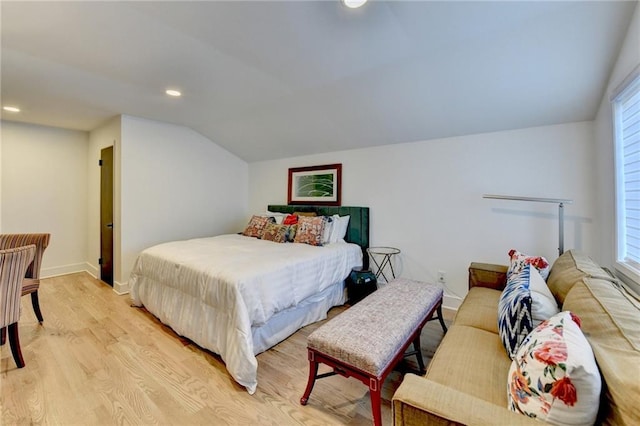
(67, 269)
(451, 302)
(121, 288)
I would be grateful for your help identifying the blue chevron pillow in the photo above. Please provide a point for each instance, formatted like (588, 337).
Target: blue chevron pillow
(514, 311)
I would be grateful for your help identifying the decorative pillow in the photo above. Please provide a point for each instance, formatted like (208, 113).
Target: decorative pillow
(291, 232)
(514, 312)
(543, 304)
(305, 214)
(274, 232)
(519, 260)
(256, 226)
(310, 230)
(554, 376)
(328, 229)
(339, 229)
(291, 219)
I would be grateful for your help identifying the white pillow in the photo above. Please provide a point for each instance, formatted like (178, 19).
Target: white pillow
(543, 304)
(554, 376)
(339, 228)
(279, 217)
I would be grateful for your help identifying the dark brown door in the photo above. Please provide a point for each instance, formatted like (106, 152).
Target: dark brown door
(106, 215)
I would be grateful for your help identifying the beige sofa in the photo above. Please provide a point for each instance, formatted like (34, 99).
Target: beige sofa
(466, 382)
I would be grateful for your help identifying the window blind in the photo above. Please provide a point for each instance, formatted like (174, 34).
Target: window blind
(627, 113)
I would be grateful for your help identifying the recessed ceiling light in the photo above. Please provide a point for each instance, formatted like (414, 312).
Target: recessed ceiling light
(353, 3)
(172, 92)
(11, 109)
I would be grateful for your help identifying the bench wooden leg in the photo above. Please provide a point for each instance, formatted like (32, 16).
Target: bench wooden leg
(418, 351)
(441, 319)
(313, 373)
(374, 392)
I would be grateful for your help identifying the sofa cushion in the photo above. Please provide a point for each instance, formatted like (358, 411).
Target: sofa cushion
(480, 309)
(472, 361)
(610, 321)
(554, 376)
(514, 311)
(569, 269)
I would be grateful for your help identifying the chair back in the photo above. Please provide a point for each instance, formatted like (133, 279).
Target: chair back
(13, 265)
(41, 241)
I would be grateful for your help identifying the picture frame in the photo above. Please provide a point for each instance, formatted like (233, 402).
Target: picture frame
(319, 185)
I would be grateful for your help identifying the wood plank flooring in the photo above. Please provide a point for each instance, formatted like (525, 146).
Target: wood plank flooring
(98, 361)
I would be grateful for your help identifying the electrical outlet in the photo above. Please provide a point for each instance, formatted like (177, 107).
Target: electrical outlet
(442, 277)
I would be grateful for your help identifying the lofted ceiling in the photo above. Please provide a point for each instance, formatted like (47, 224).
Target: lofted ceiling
(275, 79)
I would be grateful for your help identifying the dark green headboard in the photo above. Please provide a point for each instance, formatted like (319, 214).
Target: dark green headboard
(358, 231)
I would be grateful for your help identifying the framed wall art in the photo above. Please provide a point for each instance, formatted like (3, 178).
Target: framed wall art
(319, 185)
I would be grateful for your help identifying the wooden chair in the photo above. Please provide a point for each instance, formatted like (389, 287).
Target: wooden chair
(31, 282)
(13, 265)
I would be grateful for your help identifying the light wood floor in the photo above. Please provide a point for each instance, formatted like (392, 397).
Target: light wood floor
(98, 361)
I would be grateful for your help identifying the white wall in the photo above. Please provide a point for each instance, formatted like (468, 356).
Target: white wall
(44, 189)
(170, 183)
(628, 59)
(176, 184)
(104, 136)
(426, 197)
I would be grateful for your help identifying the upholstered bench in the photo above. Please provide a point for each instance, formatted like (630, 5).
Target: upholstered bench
(367, 340)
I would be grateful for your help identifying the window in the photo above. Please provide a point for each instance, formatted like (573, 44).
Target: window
(626, 123)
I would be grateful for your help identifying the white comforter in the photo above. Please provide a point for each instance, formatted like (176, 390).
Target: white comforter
(214, 290)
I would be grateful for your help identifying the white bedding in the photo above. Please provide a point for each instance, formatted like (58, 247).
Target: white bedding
(216, 290)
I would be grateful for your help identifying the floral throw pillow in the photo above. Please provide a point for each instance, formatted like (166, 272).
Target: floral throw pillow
(519, 260)
(256, 226)
(514, 312)
(274, 232)
(310, 230)
(554, 376)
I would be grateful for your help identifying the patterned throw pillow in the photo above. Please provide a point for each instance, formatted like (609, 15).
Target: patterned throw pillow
(514, 311)
(256, 226)
(310, 230)
(554, 376)
(520, 260)
(328, 229)
(274, 232)
(291, 232)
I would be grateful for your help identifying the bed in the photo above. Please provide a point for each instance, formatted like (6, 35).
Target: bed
(238, 296)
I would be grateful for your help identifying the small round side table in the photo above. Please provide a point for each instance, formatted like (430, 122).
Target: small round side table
(384, 256)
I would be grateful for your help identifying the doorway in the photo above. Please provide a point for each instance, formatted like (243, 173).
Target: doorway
(106, 215)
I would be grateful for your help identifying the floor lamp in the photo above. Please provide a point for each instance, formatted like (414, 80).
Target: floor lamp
(559, 201)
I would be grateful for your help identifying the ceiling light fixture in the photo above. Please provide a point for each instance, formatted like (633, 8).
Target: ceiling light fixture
(11, 109)
(353, 3)
(172, 92)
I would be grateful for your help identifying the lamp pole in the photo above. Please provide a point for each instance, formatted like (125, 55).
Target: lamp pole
(559, 201)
